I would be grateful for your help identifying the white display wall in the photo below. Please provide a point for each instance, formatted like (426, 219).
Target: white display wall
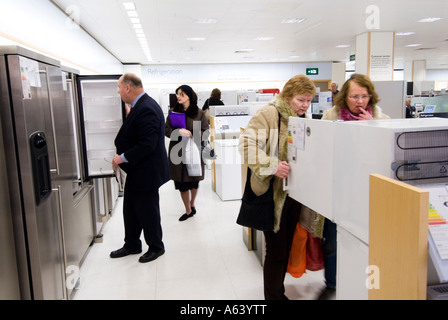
(164, 79)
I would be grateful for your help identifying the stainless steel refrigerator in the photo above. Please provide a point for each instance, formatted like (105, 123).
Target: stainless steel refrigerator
(40, 152)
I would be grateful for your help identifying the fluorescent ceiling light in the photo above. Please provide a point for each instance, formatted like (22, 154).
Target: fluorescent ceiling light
(196, 39)
(414, 45)
(133, 18)
(430, 19)
(343, 46)
(206, 20)
(132, 14)
(129, 5)
(264, 38)
(293, 20)
(294, 57)
(404, 33)
(148, 54)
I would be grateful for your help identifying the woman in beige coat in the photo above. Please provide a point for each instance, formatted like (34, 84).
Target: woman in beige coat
(357, 100)
(258, 145)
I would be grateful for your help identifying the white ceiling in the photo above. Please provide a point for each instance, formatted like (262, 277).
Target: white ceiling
(168, 23)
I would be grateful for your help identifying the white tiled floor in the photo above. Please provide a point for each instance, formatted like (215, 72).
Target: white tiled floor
(205, 259)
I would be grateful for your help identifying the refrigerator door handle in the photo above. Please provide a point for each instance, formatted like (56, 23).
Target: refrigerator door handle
(41, 166)
(56, 170)
(62, 235)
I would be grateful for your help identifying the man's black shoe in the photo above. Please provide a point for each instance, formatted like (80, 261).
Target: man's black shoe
(151, 255)
(123, 252)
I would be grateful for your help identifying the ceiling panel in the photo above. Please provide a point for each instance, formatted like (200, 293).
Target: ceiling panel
(167, 24)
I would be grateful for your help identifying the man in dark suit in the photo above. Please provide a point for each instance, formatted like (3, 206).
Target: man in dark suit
(141, 153)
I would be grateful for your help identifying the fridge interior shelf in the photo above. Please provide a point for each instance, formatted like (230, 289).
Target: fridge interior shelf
(110, 101)
(106, 126)
(105, 155)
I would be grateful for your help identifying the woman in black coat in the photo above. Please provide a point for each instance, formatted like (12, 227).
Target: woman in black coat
(196, 127)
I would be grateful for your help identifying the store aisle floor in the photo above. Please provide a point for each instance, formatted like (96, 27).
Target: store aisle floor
(205, 258)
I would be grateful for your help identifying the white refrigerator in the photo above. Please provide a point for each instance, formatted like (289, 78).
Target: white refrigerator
(330, 166)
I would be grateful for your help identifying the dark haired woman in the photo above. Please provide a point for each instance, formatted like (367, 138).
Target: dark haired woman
(196, 124)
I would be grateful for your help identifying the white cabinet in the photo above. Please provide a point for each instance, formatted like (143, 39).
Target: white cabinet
(331, 162)
(228, 169)
(352, 261)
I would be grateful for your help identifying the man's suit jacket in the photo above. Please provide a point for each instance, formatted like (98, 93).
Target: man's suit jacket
(142, 140)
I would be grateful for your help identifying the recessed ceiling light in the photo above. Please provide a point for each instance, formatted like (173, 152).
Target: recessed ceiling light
(414, 45)
(134, 20)
(129, 5)
(243, 50)
(206, 20)
(430, 19)
(294, 57)
(293, 20)
(264, 38)
(404, 33)
(343, 46)
(196, 39)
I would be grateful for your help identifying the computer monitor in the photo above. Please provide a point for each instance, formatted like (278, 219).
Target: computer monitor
(429, 109)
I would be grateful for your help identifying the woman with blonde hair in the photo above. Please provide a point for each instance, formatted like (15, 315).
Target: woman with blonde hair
(258, 145)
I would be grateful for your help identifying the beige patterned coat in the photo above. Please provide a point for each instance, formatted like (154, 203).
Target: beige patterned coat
(258, 144)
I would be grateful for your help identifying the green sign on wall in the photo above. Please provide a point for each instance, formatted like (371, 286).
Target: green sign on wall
(312, 71)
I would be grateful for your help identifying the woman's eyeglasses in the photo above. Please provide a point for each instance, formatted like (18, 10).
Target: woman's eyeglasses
(363, 97)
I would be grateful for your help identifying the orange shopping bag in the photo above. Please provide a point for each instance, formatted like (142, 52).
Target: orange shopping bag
(297, 255)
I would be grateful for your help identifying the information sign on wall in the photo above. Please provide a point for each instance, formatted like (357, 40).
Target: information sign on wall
(312, 71)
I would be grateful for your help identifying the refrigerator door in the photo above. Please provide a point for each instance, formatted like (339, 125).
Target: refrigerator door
(37, 219)
(9, 277)
(102, 114)
(311, 161)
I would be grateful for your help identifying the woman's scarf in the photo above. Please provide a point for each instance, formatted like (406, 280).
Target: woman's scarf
(346, 115)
